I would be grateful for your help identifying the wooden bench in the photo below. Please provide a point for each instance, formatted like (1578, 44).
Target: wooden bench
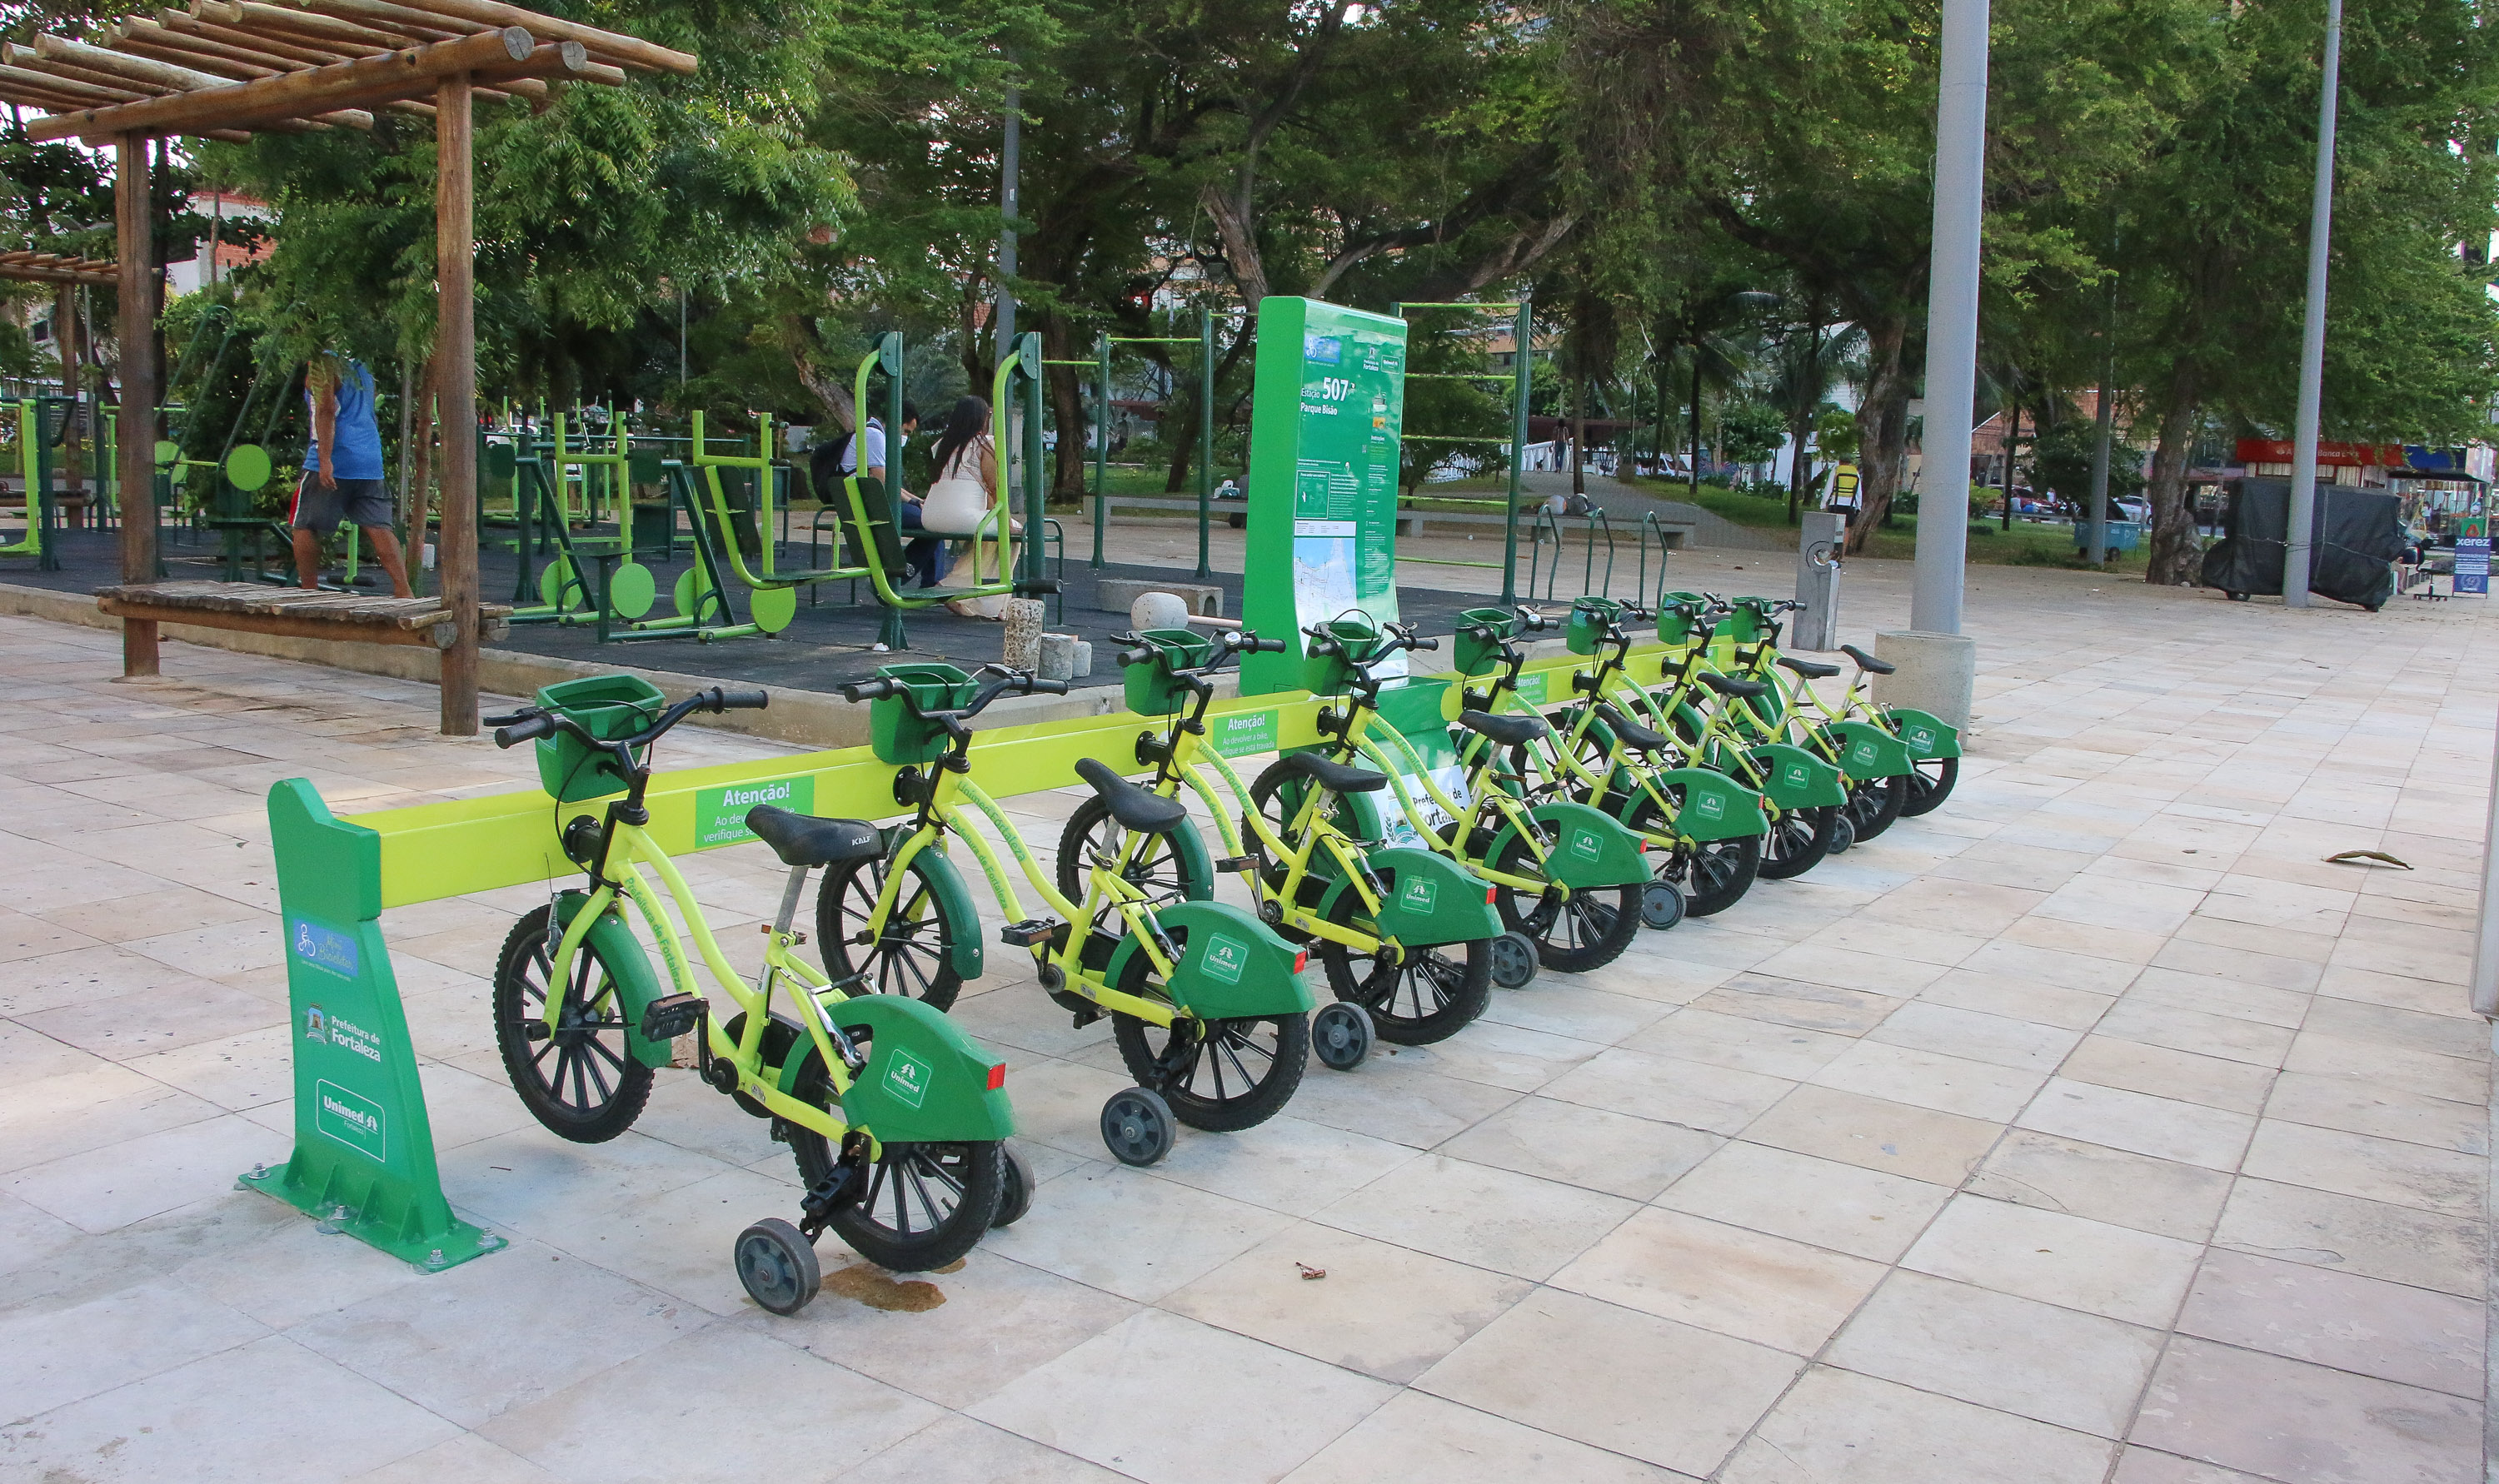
(296, 613)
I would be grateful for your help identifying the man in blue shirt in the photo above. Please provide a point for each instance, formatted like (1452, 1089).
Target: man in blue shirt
(343, 471)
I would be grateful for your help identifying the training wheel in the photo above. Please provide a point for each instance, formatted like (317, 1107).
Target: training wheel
(1843, 834)
(1514, 960)
(631, 591)
(1342, 1035)
(773, 608)
(1137, 1126)
(1015, 1198)
(1661, 905)
(777, 1264)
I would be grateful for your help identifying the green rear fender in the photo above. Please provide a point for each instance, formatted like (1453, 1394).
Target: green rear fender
(1231, 965)
(1715, 807)
(1195, 861)
(1868, 751)
(637, 984)
(1797, 779)
(1924, 733)
(955, 900)
(1589, 848)
(1425, 899)
(926, 1081)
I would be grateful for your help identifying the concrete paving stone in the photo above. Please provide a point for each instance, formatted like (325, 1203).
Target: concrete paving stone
(1418, 1436)
(2138, 1464)
(1499, 1055)
(1852, 969)
(1590, 1148)
(1416, 1108)
(2164, 1128)
(2342, 1320)
(1767, 1289)
(147, 1175)
(1382, 1309)
(1796, 1001)
(635, 1420)
(468, 1458)
(1171, 1235)
(1255, 1411)
(2212, 1081)
(2029, 1001)
(151, 1430)
(2356, 1105)
(1895, 939)
(2019, 1044)
(2211, 994)
(2013, 1354)
(2154, 1022)
(2246, 961)
(2396, 991)
(1285, 1164)
(530, 1180)
(1770, 1047)
(1840, 1427)
(2072, 1261)
(161, 909)
(2425, 1073)
(2375, 1169)
(1631, 1383)
(1492, 1218)
(679, 1241)
(135, 1024)
(2159, 1196)
(957, 1447)
(2446, 1035)
(1863, 1212)
(2008, 959)
(52, 1356)
(2119, 945)
(1718, 1099)
(1557, 1007)
(1955, 1085)
(1876, 1134)
(417, 1338)
(2302, 1423)
(2353, 1234)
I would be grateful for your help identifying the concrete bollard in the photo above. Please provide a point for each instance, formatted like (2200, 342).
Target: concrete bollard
(1057, 656)
(1083, 660)
(1158, 610)
(1937, 673)
(1023, 633)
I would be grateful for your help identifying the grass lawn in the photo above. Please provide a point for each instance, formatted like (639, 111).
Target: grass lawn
(2030, 543)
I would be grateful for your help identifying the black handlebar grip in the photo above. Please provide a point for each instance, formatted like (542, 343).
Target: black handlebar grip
(1033, 683)
(1415, 643)
(1264, 646)
(528, 730)
(739, 700)
(1135, 656)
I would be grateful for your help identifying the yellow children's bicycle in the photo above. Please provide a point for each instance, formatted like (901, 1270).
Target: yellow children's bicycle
(1205, 1002)
(1405, 936)
(897, 1119)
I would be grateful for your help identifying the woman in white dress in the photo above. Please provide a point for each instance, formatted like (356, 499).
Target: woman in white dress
(963, 503)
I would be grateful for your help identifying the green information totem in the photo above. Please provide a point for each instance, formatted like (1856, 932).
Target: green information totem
(1326, 419)
(364, 1147)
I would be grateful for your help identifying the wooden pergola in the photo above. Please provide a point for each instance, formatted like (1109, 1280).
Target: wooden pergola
(26, 267)
(227, 69)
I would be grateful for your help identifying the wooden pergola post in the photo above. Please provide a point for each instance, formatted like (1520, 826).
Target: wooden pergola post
(455, 393)
(136, 446)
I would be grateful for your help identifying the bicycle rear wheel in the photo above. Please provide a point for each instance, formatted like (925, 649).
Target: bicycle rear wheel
(1713, 874)
(1572, 931)
(1429, 995)
(1930, 785)
(581, 1081)
(1798, 840)
(1220, 1076)
(1157, 870)
(1875, 804)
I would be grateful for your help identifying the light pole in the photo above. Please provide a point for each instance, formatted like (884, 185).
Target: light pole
(1936, 665)
(2312, 329)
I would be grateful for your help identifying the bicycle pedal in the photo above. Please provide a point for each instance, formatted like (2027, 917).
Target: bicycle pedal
(1236, 863)
(1026, 933)
(666, 1020)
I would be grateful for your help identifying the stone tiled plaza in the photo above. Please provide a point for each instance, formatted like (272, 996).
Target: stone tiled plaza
(2091, 1128)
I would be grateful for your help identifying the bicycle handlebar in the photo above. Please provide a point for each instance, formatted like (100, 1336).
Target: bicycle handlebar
(530, 724)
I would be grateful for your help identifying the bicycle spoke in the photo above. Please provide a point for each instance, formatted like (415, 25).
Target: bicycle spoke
(596, 1077)
(600, 1047)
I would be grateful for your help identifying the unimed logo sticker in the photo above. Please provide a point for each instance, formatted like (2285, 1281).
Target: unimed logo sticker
(1585, 845)
(1709, 806)
(1227, 958)
(1420, 894)
(350, 1119)
(908, 1078)
(1797, 775)
(1922, 738)
(1862, 753)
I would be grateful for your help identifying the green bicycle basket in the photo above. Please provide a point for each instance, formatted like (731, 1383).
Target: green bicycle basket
(1673, 626)
(1744, 625)
(1152, 688)
(900, 737)
(607, 707)
(1589, 619)
(1477, 656)
(1332, 674)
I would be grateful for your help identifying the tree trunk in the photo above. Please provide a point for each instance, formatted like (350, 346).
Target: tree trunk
(1883, 435)
(1070, 463)
(1798, 467)
(2177, 558)
(798, 337)
(1178, 432)
(2012, 445)
(1665, 401)
(1695, 470)
(1579, 435)
(421, 476)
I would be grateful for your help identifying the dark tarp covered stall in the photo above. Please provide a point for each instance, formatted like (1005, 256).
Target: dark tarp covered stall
(2352, 544)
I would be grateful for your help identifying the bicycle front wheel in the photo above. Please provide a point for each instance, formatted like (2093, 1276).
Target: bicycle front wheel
(913, 954)
(580, 1080)
(1163, 874)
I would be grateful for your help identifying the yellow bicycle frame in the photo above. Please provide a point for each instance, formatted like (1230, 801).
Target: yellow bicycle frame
(1465, 818)
(628, 849)
(1309, 825)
